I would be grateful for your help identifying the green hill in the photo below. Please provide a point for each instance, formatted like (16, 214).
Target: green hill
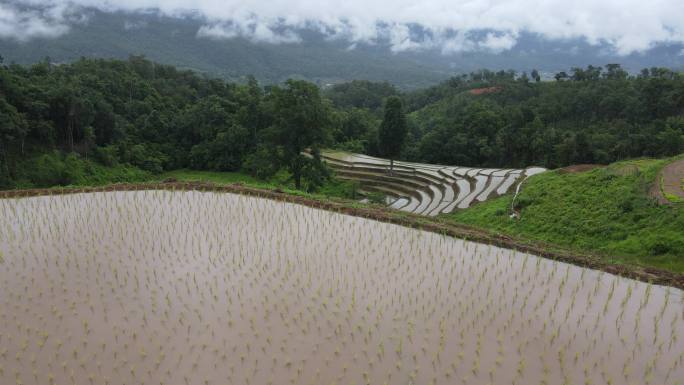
(317, 58)
(174, 41)
(607, 210)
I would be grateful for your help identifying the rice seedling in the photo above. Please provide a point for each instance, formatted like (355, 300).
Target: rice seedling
(205, 288)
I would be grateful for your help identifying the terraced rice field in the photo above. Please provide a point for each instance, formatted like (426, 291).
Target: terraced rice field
(426, 189)
(162, 287)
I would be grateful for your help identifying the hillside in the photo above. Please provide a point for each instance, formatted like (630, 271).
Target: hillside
(606, 210)
(425, 189)
(62, 124)
(590, 115)
(174, 41)
(359, 192)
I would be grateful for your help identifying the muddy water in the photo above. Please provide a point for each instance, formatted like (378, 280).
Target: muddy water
(161, 287)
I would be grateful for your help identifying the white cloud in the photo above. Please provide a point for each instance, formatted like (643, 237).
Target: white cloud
(498, 42)
(22, 25)
(626, 25)
(458, 43)
(132, 25)
(252, 29)
(400, 39)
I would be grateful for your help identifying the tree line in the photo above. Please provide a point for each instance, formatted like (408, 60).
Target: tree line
(509, 119)
(156, 117)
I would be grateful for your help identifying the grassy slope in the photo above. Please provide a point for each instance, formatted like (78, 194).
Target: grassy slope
(331, 189)
(607, 211)
(215, 177)
(54, 169)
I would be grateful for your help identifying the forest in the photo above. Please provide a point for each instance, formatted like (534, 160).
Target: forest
(137, 116)
(504, 119)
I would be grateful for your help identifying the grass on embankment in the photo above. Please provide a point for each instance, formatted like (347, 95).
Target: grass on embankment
(57, 170)
(54, 169)
(607, 211)
(331, 189)
(215, 177)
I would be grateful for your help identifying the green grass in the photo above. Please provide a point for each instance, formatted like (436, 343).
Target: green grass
(55, 169)
(99, 175)
(673, 198)
(606, 211)
(215, 177)
(331, 189)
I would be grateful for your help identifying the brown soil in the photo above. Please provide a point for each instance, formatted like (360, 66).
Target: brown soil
(669, 181)
(484, 91)
(673, 174)
(579, 168)
(641, 273)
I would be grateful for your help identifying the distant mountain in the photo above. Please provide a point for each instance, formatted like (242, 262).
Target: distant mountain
(174, 41)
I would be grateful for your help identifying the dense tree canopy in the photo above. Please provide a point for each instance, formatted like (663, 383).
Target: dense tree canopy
(393, 129)
(153, 117)
(300, 122)
(361, 94)
(591, 115)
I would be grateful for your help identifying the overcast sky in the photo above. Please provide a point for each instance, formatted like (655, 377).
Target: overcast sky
(625, 25)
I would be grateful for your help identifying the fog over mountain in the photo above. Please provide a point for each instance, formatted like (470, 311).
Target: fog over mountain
(408, 43)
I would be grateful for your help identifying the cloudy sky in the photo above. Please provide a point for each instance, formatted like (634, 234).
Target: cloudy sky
(627, 26)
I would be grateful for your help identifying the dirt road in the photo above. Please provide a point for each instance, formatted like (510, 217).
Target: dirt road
(670, 178)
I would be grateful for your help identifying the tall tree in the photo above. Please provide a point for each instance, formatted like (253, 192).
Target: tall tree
(561, 76)
(392, 130)
(300, 122)
(13, 127)
(535, 75)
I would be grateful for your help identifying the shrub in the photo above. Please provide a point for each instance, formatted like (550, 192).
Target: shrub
(260, 164)
(354, 145)
(339, 188)
(659, 247)
(523, 202)
(626, 204)
(376, 197)
(107, 155)
(146, 158)
(47, 170)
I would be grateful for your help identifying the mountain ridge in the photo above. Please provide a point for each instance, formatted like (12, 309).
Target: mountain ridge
(318, 58)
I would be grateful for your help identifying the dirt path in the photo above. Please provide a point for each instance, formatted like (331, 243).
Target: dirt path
(669, 181)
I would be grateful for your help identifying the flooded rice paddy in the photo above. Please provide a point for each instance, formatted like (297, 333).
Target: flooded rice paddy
(159, 287)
